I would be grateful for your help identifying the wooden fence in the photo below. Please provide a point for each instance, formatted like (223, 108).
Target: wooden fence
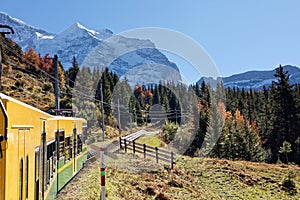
(146, 150)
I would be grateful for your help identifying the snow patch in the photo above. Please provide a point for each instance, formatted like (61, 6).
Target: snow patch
(41, 36)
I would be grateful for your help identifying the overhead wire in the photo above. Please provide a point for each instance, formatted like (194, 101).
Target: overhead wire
(82, 94)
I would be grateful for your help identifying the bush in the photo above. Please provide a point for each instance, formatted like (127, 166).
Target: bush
(169, 132)
(19, 84)
(288, 183)
(48, 87)
(30, 89)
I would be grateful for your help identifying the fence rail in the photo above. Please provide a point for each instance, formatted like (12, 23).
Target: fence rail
(150, 151)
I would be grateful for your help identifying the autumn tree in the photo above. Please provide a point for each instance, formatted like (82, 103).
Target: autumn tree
(46, 63)
(239, 140)
(33, 60)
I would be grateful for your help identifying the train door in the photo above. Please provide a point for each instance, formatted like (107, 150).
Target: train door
(42, 159)
(23, 160)
(22, 163)
(37, 174)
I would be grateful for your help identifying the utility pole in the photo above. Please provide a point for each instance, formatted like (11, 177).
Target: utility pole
(56, 85)
(119, 120)
(102, 108)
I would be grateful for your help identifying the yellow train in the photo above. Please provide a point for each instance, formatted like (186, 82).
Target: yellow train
(39, 152)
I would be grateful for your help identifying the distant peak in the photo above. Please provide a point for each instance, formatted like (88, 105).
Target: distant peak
(3, 13)
(78, 26)
(12, 18)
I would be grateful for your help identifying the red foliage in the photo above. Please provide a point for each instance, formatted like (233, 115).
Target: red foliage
(149, 93)
(46, 62)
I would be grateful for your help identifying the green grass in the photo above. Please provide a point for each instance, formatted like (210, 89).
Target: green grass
(152, 140)
(192, 178)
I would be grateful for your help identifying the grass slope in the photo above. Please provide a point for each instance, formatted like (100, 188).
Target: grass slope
(192, 178)
(27, 88)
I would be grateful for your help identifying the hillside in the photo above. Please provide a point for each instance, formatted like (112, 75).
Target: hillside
(100, 48)
(192, 178)
(26, 87)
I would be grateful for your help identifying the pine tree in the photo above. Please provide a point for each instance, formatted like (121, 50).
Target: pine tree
(283, 113)
(72, 72)
(286, 149)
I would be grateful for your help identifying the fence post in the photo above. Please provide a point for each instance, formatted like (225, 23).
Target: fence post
(156, 154)
(125, 145)
(133, 146)
(172, 160)
(102, 174)
(120, 139)
(144, 150)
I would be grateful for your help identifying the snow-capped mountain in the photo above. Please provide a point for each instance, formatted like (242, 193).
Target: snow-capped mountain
(255, 79)
(25, 35)
(136, 59)
(121, 54)
(75, 41)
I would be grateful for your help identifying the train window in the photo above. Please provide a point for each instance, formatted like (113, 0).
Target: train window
(37, 163)
(26, 177)
(79, 144)
(61, 136)
(50, 149)
(61, 144)
(68, 148)
(36, 180)
(49, 160)
(21, 179)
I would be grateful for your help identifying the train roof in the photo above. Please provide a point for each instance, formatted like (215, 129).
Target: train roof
(8, 98)
(66, 118)
(51, 117)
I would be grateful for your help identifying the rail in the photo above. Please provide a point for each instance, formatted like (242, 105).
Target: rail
(150, 151)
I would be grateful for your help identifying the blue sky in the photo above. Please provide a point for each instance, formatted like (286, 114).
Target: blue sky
(238, 35)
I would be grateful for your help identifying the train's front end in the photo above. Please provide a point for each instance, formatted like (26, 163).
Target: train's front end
(3, 145)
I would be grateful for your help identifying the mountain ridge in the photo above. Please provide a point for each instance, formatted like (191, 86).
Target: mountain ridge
(79, 41)
(254, 79)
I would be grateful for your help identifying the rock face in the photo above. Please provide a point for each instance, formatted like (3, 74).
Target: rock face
(124, 56)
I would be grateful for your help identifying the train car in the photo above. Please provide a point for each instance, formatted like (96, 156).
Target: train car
(39, 152)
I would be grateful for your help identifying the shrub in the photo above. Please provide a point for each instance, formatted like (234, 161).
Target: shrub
(288, 183)
(30, 89)
(19, 84)
(48, 87)
(169, 132)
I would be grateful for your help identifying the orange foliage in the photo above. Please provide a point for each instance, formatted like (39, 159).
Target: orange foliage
(139, 88)
(238, 117)
(228, 116)
(33, 58)
(149, 93)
